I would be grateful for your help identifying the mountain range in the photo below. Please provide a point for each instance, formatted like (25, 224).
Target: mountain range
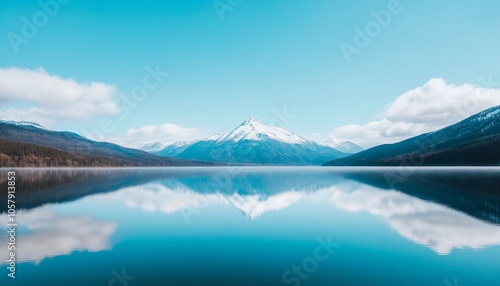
(474, 141)
(27, 144)
(253, 142)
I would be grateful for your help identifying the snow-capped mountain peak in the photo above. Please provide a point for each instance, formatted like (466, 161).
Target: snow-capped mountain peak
(252, 121)
(253, 129)
(344, 146)
(153, 147)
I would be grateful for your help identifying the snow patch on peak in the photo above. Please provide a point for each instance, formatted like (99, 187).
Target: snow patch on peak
(153, 147)
(343, 146)
(251, 121)
(158, 146)
(253, 129)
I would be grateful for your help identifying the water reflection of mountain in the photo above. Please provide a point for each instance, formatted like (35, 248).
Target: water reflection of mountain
(38, 187)
(476, 193)
(443, 210)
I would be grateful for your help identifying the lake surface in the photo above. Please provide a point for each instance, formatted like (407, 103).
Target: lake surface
(254, 226)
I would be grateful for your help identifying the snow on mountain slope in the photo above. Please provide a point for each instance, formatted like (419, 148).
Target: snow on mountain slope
(344, 146)
(487, 114)
(180, 143)
(253, 142)
(153, 147)
(213, 137)
(472, 141)
(175, 148)
(23, 123)
(252, 129)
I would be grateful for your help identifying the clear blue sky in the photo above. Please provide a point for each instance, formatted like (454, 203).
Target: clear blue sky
(264, 55)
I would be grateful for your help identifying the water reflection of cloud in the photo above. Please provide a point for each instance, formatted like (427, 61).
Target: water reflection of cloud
(156, 197)
(46, 234)
(440, 228)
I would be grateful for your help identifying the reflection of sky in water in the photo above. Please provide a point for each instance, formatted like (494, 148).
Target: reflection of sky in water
(422, 222)
(277, 216)
(434, 225)
(42, 233)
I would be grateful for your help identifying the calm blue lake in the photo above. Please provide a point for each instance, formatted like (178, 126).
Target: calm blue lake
(254, 226)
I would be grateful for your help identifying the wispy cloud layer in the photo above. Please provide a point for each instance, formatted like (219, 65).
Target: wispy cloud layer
(430, 107)
(166, 133)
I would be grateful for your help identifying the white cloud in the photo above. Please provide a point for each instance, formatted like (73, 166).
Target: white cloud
(430, 107)
(167, 133)
(45, 98)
